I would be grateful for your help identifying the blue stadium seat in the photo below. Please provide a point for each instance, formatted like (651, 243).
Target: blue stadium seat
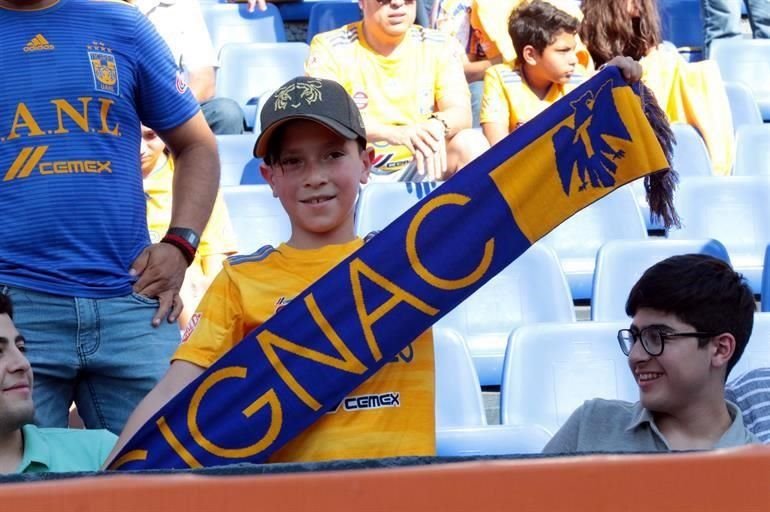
(734, 210)
(766, 281)
(551, 369)
(620, 263)
(743, 107)
(461, 425)
(300, 11)
(228, 23)
(381, 203)
(248, 71)
(238, 165)
(747, 61)
(757, 353)
(752, 151)
(257, 217)
(691, 158)
(531, 289)
(325, 16)
(577, 240)
(682, 24)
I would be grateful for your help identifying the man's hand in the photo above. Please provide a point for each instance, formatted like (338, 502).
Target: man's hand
(427, 143)
(161, 268)
(629, 68)
(262, 4)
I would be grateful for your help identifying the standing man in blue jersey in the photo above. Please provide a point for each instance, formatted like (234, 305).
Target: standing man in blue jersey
(96, 302)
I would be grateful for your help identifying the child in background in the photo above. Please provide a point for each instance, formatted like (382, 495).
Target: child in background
(690, 93)
(314, 148)
(217, 241)
(545, 39)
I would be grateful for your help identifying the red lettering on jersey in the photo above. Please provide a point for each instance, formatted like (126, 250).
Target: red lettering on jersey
(191, 325)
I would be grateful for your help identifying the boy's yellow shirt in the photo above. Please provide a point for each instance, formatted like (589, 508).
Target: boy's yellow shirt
(508, 99)
(402, 88)
(217, 238)
(250, 289)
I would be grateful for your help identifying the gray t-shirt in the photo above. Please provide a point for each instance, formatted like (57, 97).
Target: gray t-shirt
(614, 426)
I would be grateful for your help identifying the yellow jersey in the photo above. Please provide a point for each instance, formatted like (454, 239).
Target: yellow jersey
(402, 88)
(693, 93)
(250, 289)
(508, 99)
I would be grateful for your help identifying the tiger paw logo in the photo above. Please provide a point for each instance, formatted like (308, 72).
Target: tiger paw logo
(585, 148)
(104, 68)
(281, 303)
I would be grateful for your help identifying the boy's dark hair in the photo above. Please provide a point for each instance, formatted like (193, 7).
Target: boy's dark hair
(275, 144)
(538, 23)
(6, 307)
(702, 291)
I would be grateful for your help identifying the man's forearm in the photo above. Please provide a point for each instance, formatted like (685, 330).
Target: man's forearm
(456, 118)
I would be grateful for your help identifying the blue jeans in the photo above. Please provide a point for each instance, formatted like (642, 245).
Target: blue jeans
(103, 354)
(223, 115)
(723, 18)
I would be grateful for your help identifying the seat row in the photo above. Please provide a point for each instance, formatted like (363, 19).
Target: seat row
(598, 254)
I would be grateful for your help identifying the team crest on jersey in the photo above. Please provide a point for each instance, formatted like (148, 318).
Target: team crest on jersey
(191, 325)
(104, 68)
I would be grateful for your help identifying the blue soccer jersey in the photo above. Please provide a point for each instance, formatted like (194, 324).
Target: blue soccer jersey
(77, 79)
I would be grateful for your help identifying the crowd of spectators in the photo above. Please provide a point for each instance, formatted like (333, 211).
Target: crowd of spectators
(94, 277)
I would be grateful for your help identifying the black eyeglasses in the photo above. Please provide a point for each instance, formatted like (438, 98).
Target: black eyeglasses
(653, 339)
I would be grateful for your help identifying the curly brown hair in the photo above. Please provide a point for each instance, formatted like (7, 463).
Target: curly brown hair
(608, 30)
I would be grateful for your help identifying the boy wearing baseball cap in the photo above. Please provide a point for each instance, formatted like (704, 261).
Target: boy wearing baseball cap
(315, 159)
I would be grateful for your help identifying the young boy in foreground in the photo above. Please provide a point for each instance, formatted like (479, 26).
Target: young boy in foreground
(314, 148)
(691, 319)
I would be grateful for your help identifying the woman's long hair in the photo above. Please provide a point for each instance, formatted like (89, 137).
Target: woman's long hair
(608, 30)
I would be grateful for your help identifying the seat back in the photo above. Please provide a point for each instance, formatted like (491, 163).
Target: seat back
(257, 217)
(326, 16)
(249, 70)
(458, 393)
(752, 151)
(531, 289)
(233, 23)
(620, 264)
(682, 24)
(746, 61)
(735, 211)
(236, 160)
(757, 352)
(381, 203)
(691, 158)
(743, 106)
(551, 369)
(576, 241)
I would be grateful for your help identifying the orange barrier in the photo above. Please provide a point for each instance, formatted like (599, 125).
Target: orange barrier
(734, 480)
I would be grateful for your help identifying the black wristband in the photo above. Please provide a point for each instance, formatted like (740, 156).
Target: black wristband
(187, 250)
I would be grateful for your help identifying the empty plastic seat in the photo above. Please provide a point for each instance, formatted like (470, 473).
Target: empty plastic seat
(734, 210)
(691, 158)
(551, 369)
(752, 151)
(461, 426)
(325, 16)
(531, 289)
(620, 264)
(746, 61)
(257, 217)
(757, 353)
(233, 23)
(249, 71)
(743, 106)
(236, 160)
(576, 241)
(682, 24)
(381, 203)
(766, 281)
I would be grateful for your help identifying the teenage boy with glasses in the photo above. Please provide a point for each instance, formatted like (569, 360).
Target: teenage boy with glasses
(691, 319)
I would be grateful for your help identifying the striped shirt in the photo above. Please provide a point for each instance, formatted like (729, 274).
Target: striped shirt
(751, 393)
(78, 77)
